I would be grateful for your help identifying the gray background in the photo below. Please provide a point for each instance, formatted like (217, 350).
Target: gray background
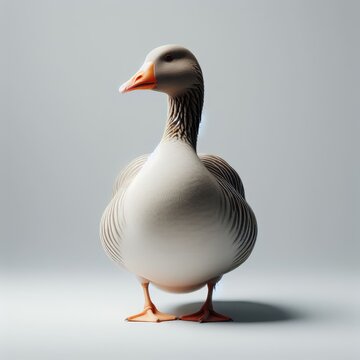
(281, 106)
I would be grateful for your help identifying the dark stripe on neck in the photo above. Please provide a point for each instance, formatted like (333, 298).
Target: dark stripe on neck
(184, 113)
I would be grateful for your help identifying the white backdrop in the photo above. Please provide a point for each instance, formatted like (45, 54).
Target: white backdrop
(281, 106)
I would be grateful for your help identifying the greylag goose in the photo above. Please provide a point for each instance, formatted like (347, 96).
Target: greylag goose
(177, 219)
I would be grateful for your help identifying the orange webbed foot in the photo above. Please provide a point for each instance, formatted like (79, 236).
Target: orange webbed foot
(205, 315)
(151, 314)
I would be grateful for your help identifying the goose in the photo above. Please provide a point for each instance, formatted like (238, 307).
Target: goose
(177, 219)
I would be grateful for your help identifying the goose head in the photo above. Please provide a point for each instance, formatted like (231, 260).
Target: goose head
(171, 69)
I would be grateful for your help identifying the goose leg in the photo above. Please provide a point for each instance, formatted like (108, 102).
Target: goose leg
(150, 312)
(206, 313)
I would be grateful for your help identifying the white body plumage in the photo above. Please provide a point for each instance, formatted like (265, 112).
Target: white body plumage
(174, 234)
(177, 219)
(175, 223)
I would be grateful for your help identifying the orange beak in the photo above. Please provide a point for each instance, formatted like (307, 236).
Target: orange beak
(143, 79)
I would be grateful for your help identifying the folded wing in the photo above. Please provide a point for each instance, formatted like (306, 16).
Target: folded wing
(237, 213)
(112, 221)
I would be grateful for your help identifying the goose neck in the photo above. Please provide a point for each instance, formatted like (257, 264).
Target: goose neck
(184, 116)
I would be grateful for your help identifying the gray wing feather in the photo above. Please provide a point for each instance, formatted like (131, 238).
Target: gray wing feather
(223, 171)
(238, 214)
(111, 225)
(129, 172)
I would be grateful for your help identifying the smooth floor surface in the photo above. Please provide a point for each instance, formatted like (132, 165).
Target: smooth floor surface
(81, 316)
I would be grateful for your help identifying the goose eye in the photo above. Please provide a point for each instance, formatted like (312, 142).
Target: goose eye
(169, 58)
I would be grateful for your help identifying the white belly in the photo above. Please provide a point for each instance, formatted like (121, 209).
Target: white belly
(173, 233)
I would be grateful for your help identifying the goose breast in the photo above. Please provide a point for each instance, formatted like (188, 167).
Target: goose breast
(174, 235)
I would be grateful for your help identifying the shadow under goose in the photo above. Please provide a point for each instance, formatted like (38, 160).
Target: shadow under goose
(245, 311)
